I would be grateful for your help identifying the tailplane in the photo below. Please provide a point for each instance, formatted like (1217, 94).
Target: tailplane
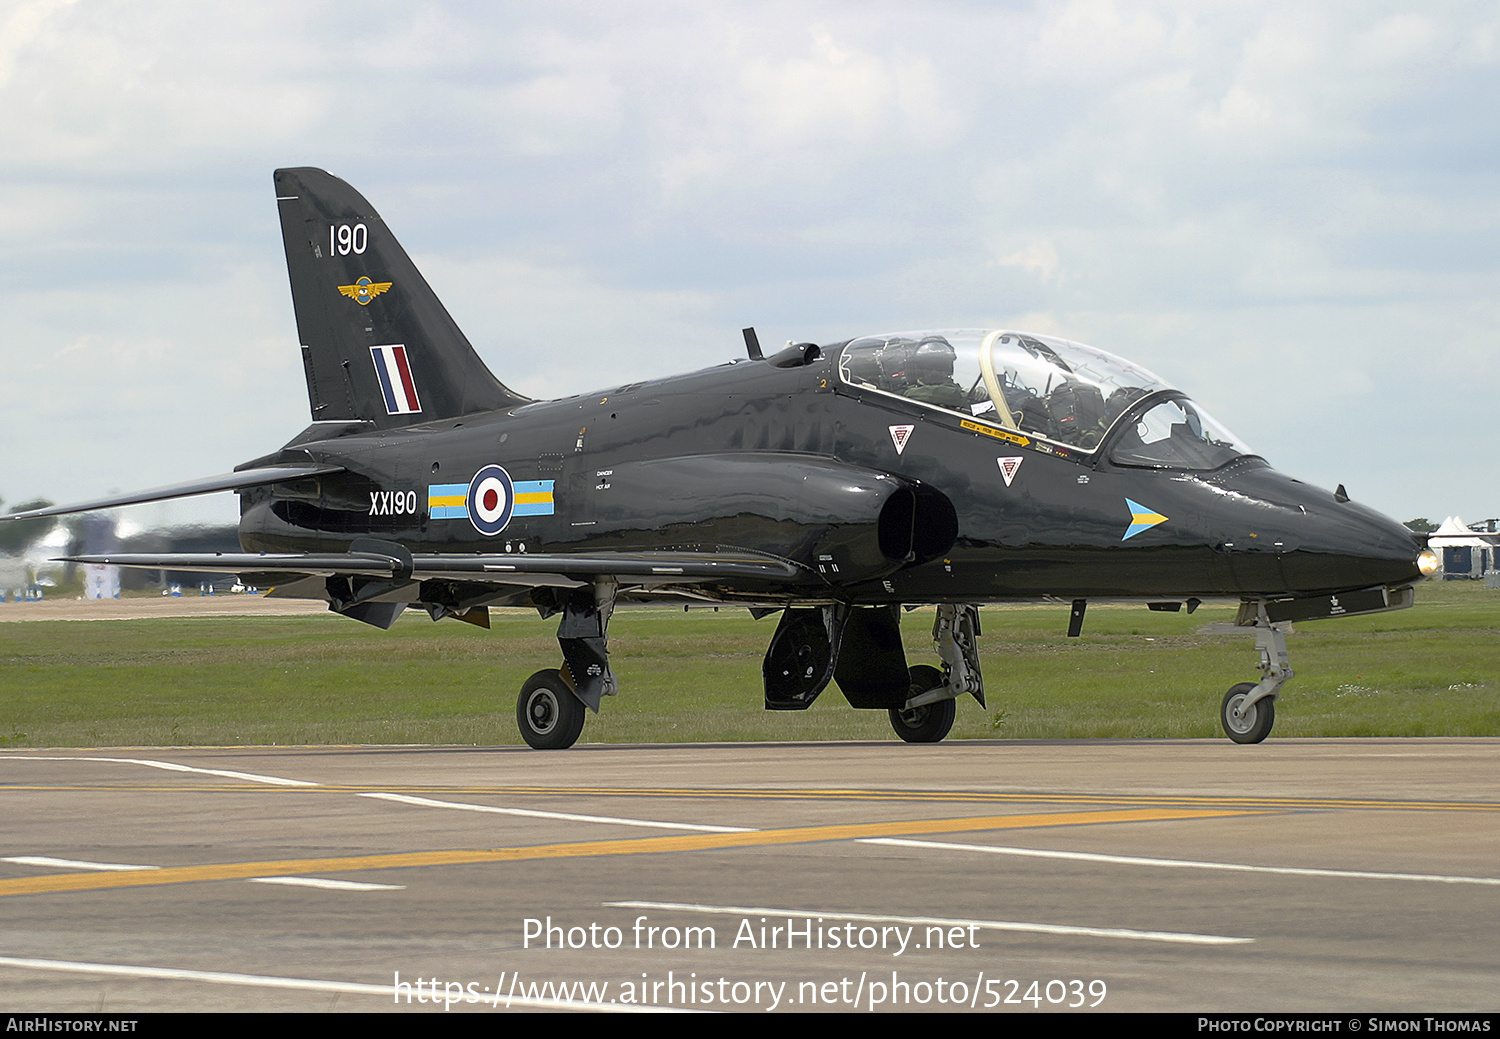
(377, 344)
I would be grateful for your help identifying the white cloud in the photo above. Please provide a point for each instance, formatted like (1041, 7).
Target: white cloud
(1397, 40)
(807, 111)
(559, 113)
(550, 332)
(20, 27)
(1038, 257)
(1100, 40)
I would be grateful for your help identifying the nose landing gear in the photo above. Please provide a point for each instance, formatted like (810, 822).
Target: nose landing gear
(1248, 710)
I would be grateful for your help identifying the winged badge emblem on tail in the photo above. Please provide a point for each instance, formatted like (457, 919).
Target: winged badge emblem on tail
(364, 290)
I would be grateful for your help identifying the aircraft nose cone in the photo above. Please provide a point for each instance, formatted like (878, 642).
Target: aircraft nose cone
(1325, 545)
(1357, 547)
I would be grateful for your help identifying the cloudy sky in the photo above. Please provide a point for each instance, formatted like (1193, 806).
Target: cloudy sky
(1289, 210)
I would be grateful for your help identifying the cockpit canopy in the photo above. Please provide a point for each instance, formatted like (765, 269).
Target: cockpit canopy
(1044, 387)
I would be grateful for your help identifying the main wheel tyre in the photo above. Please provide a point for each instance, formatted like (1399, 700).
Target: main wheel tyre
(549, 715)
(1256, 724)
(930, 722)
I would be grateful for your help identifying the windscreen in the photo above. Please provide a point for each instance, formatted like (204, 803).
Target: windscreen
(1175, 434)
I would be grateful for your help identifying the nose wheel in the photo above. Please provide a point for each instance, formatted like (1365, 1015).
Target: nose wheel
(1248, 710)
(1246, 724)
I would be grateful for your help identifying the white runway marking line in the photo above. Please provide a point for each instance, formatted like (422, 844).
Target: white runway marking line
(427, 802)
(935, 921)
(1131, 860)
(216, 977)
(422, 802)
(47, 860)
(327, 885)
(318, 882)
(171, 766)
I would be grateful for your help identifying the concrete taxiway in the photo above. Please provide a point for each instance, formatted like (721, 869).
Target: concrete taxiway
(1341, 875)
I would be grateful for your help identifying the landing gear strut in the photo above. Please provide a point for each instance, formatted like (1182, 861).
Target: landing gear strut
(931, 702)
(550, 711)
(1248, 710)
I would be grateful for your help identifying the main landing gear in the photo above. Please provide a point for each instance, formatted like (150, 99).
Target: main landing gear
(929, 722)
(859, 647)
(549, 713)
(1248, 710)
(550, 710)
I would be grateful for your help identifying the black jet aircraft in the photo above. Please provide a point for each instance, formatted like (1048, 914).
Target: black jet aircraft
(834, 484)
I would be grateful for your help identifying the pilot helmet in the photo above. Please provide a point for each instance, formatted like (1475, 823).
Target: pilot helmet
(933, 359)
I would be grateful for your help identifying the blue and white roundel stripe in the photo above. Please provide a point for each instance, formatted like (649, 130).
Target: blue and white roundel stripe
(491, 500)
(448, 500)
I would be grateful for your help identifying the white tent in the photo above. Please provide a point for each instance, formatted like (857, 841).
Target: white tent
(1457, 546)
(1454, 533)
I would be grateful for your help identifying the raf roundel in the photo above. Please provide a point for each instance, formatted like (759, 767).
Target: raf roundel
(492, 498)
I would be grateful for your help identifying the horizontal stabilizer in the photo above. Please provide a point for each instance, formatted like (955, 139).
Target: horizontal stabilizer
(207, 485)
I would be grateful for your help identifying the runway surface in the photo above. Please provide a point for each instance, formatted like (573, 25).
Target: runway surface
(148, 607)
(1341, 875)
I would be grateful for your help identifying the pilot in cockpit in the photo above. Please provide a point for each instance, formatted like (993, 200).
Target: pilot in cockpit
(930, 371)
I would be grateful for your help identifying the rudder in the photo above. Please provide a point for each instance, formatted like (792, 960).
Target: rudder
(377, 344)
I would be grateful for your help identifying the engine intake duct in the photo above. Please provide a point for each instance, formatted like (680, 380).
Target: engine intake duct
(845, 522)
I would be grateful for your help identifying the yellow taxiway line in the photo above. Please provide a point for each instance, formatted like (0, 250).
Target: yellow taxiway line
(586, 849)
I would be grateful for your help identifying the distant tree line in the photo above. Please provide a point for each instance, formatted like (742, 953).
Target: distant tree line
(18, 536)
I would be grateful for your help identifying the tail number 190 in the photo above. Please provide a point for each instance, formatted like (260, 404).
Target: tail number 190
(344, 239)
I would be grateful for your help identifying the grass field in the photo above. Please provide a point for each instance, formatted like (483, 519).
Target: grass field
(1433, 670)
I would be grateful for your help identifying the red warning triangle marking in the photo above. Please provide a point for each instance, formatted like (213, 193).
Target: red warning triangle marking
(899, 436)
(1008, 467)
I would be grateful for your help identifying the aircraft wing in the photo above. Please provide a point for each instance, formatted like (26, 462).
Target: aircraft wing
(206, 485)
(531, 569)
(639, 568)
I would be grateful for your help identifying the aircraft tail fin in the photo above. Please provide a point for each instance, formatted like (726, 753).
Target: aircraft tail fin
(377, 344)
